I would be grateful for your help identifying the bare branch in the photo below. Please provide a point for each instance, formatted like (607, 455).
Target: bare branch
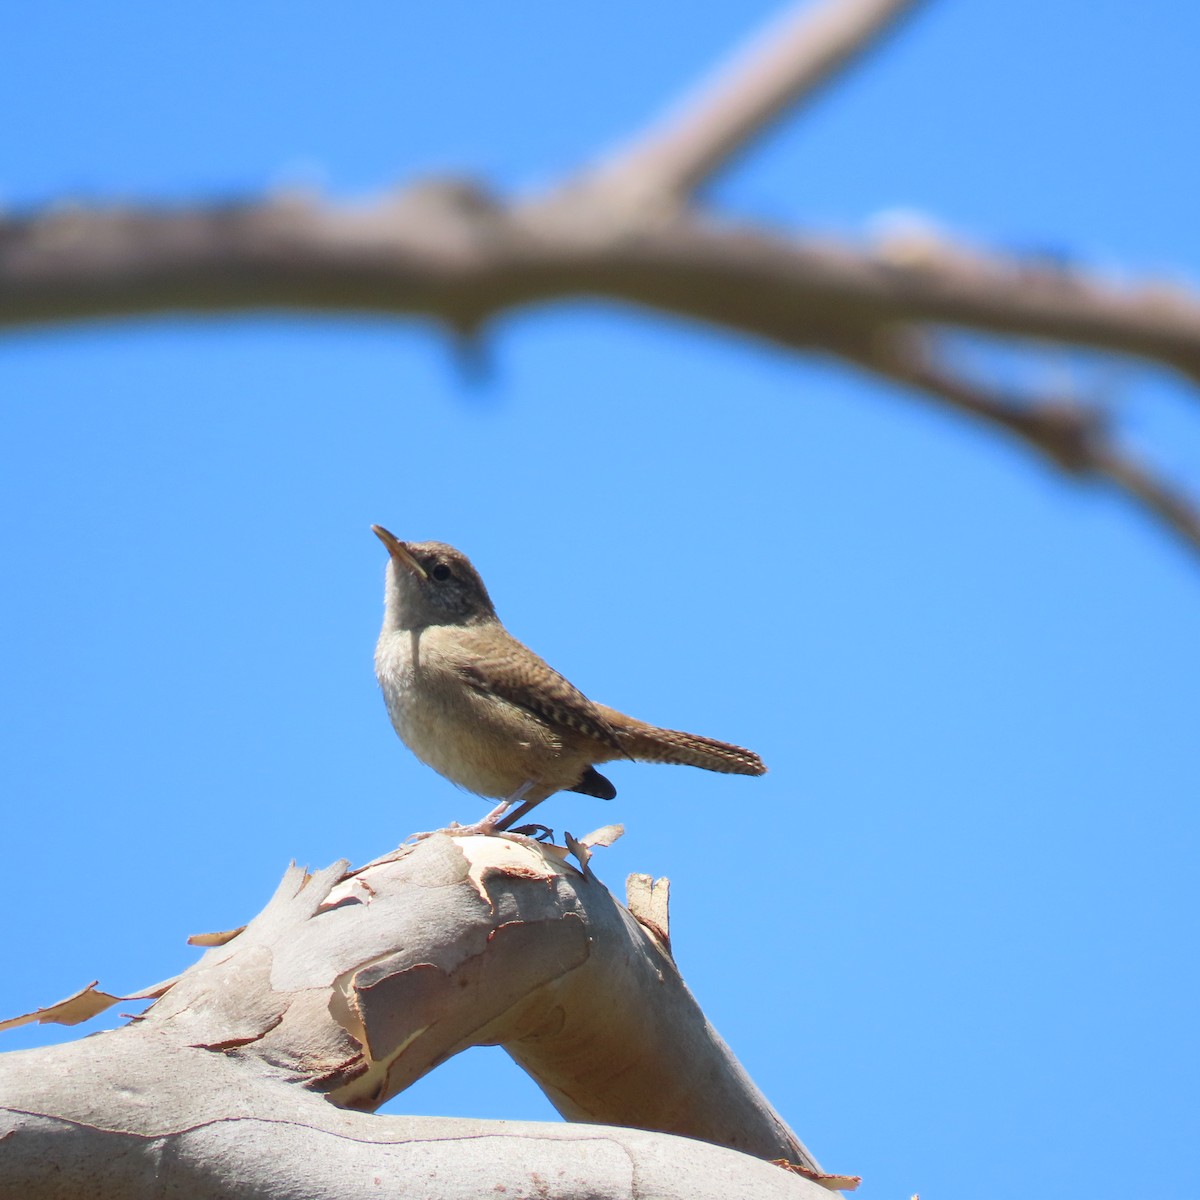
(1072, 435)
(1066, 432)
(274, 1142)
(1170, 504)
(462, 262)
(449, 252)
(787, 63)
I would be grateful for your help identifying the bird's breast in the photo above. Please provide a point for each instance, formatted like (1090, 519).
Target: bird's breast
(408, 678)
(479, 741)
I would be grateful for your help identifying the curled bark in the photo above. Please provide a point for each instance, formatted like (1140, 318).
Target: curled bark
(349, 986)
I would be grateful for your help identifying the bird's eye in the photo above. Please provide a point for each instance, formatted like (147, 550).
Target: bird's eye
(440, 572)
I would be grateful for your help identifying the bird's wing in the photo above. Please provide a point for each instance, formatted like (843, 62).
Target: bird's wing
(517, 675)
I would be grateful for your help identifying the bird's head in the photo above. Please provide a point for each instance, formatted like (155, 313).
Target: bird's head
(430, 583)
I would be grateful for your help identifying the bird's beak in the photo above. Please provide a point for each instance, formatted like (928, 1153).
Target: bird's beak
(399, 551)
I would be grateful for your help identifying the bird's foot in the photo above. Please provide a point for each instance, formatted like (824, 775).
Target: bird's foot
(482, 828)
(489, 826)
(413, 838)
(492, 824)
(539, 833)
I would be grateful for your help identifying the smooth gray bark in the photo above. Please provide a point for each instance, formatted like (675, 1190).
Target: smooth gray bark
(241, 1079)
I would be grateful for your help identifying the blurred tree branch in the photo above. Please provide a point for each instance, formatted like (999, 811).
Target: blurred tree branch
(630, 230)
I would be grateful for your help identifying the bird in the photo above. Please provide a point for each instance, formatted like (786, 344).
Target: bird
(482, 709)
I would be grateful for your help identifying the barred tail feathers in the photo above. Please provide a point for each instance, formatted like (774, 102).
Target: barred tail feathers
(649, 743)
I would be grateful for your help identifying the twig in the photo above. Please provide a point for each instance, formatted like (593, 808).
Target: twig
(1072, 435)
(1170, 504)
(788, 62)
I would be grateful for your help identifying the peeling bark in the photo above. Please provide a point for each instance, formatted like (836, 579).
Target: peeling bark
(256, 1071)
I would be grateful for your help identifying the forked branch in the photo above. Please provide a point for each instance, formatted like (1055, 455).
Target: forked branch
(786, 64)
(629, 231)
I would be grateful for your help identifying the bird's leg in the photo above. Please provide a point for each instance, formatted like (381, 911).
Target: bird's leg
(490, 824)
(492, 820)
(516, 815)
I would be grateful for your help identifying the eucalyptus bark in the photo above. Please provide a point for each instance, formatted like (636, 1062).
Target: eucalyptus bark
(255, 1073)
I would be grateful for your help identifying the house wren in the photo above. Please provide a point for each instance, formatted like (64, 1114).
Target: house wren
(479, 707)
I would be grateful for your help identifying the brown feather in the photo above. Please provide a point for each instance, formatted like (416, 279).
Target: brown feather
(649, 743)
(527, 681)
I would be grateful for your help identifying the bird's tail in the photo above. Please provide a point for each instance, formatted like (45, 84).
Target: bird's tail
(649, 743)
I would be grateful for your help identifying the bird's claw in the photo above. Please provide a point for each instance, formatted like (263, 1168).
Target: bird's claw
(539, 833)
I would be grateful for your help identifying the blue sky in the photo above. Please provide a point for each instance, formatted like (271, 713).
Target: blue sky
(952, 933)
